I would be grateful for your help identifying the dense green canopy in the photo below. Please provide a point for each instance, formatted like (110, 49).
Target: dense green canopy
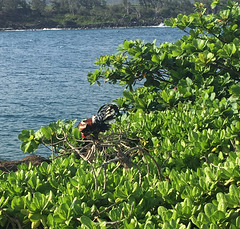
(37, 14)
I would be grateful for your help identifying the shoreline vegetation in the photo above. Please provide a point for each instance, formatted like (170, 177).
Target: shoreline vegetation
(75, 14)
(90, 26)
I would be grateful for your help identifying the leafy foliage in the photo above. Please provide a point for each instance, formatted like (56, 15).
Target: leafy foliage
(181, 131)
(207, 56)
(48, 136)
(86, 14)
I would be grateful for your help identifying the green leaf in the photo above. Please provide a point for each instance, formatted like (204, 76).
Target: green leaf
(130, 225)
(63, 211)
(115, 214)
(235, 89)
(34, 182)
(35, 224)
(35, 217)
(230, 49)
(25, 146)
(165, 96)
(38, 134)
(17, 203)
(189, 81)
(209, 209)
(222, 203)
(47, 132)
(233, 190)
(128, 95)
(155, 58)
(87, 222)
(215, 3)
(3, 201)
(76, 133)
(218, 215)
(26, 135)
(199, 43)
(238, 222)
(39, 201)
(50, 220)
(121, 194)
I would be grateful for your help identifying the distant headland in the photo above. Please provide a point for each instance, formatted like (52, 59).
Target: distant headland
(38, 14)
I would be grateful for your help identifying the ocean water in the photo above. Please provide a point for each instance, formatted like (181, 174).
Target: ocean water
(43, 77)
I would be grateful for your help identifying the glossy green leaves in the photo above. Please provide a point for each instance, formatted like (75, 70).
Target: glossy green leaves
(47, 135)
(210, 48)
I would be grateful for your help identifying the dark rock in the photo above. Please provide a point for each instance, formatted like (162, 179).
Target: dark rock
(35, 160)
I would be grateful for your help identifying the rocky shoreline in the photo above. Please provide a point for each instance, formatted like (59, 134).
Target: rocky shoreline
(87, 26)
(35, 160)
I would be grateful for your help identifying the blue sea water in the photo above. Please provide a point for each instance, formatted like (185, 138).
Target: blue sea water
(43, 77)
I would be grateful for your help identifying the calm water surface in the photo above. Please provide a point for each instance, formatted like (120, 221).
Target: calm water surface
(43, 77)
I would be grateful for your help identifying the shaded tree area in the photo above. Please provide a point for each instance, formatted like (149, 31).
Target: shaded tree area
(36, 14)
(20, 14)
